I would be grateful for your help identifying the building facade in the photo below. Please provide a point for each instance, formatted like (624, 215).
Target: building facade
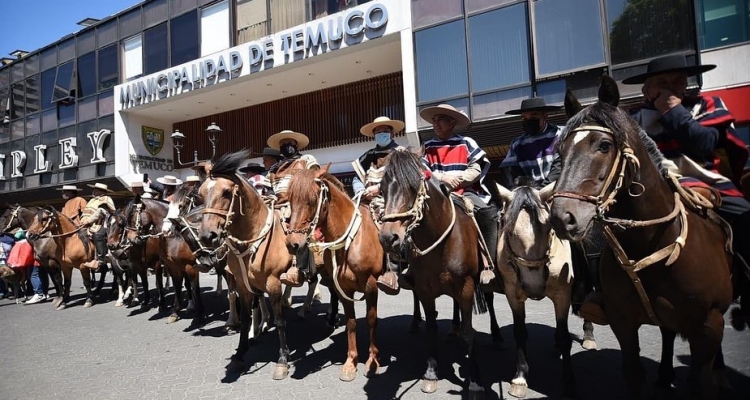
(102, 103)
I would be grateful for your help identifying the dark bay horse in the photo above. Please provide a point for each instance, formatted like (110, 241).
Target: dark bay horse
(534, 263)
(353, 257)
(655, 270)
(421, 220)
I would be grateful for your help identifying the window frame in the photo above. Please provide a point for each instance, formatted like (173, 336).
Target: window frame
(72, 86)
(124, 59)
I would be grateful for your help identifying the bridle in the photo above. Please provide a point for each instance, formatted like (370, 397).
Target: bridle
(13, 216)
(138, 228)
(46, 227)
(323, 197)
(543, 262)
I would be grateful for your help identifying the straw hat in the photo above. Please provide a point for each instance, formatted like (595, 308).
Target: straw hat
(462, 120)
(192, 178)
(169, 180)
(140, 184)
(70, 188)
(274, 141)
(395, 125)
(100, 186)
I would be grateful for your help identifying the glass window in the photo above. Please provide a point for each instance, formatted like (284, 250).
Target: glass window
(33, 124)
(441, 62)
(4, 137)
(66, 114)
(568, 35)
(132, 54)
(87, 109)
(32, 94)
(32, 65)
(66, 50)
(17, 72)
(86, 70)
(185, 42)
(4, 77)
(17, 108)
(155, 49)
(48, 88)
(108, 68)
(86, 42)
(48, 138)
(428, 12)
(84, 148)
(497, 103)
(49, 119)
(4, 98)
(49, 58)
(64, 81)
(640, 30)
(106, 33)
(584, 85)
(155, 12)
(322, 8)
(215, 28)
(106, 103)
(130, 23)
(177, 7)
(16, 130)
(480, 5)
(288, 13)
(251, 16)
(109, 147)
(499, 63)
(723, 22)
(460, 104)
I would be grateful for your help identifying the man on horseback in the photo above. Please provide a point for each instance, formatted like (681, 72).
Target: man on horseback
(367, 181)
(270, 158)
(74, 204)
(289, 143)
(255, 174)
(93, 218)
(169, 186)
(461, 166)
(139, 189)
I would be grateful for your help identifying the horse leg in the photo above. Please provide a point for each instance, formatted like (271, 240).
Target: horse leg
(237, 364)
(333, 315)
(281, 370)
(177, 289)
(349, 369)
(160, 289)
(220, 273)
(589, 343)
(430, 378)
(518, 386)
(233, 318)
(373, 364)
(666, 366)
(474, 384)
(57, 278)
(455, 331)
(143, 273)
(703, 350)
(416, 315)
(497, 337)
(563, 342)
(287, 298)
(720, 371)
(87, 284)
(312, 288)
(256, 317)
(627, 336)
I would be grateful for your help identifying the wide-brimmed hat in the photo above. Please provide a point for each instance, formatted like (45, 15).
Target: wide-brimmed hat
(252, 167)
(192, 178)
(201, 166)
(533, 104)
(462, 120)
(267, 151)
(665, 65)
(395, 125)
(140, 184)
(69, 188)
(274, 141)
(169, 180)
(100, 186)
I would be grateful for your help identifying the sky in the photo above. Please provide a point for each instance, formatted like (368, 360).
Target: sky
(31, 24)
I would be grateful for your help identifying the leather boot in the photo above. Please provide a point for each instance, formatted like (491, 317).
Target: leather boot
(388, 282)
(296, 275)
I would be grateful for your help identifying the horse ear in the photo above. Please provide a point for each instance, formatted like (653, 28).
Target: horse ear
(323, 170)
(419, 151)
(505, 194)
(572, 105)
(546, 192)
(608, 91)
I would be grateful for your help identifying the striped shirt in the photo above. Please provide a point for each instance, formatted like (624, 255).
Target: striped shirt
(534, 154)
(453, 156)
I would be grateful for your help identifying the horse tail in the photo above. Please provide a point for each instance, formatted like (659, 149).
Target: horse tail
(480, 302)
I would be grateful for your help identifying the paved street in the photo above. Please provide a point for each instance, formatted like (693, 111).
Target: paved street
(117, 353)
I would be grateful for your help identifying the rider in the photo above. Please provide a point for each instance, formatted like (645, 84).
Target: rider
(139, 189)
(74, 204)
(289, 143)
(367, 180)
(461, 166)
(270, 157)
(93, 216)
(169, 184)
(255, 174)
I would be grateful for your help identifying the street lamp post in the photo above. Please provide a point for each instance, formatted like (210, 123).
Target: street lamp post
(178, 141)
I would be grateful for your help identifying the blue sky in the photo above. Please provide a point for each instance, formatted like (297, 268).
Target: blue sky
(32, 24)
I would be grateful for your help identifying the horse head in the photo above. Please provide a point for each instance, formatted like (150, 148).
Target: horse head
(10, 220)
(309, 202)
(116, 236)
(45, 220)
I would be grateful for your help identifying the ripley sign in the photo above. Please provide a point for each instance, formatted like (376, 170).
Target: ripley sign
(305, 41)
(68, 156)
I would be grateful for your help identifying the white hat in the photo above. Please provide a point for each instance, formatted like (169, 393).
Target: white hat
(192, 178)
(395, 124)
(69, 187)
(140, 184)
(169, 180)
(275, 140)
(100, 186)
(462, 120)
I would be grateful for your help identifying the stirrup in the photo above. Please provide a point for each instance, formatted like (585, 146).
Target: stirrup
(592, 310)
(292, 277)
(388, 283)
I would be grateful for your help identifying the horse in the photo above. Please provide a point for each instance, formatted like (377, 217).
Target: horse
(353, 257)
(72, 248)
(419, 215)
(655, 271)
(534, 263)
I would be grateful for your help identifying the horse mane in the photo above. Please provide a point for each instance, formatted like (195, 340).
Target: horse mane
(82, 235)
(524, 198)
(184, 193)
(620, 123)
(405, 169)
(303, 184)
(228, 164)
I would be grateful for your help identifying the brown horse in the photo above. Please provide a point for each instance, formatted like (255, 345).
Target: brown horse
(353, 257)
(419, 215)
(612, 175)
(237, 221)
(72, 248)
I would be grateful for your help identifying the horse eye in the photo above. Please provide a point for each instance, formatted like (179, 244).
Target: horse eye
(605, 146)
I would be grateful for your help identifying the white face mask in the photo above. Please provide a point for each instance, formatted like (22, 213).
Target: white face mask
(382, 139)
(66, 196)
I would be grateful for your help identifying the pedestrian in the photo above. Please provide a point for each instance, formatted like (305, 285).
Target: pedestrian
(20, 261)
(6, 244)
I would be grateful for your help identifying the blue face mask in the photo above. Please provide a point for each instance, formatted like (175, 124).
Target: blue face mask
(382, 139)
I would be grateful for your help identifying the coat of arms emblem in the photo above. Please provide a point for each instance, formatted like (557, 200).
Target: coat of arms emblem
(153, 139)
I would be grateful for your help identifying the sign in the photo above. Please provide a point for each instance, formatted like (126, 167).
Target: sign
(153, 139)
(347, 28)
(68, 157)
(152, 163)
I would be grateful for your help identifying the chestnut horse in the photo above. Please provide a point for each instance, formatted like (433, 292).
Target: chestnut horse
(353, 257)
(419, 215)
(655, 270)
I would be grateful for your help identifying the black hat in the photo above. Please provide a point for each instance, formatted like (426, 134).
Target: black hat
(533, 104)
(269, 152)
(663, 65)
(253, 167)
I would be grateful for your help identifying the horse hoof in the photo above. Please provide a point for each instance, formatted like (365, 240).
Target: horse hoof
(518, 388)
(88, 303)
(172, 319)
(429, 386)
(588, 344)
(56, 302)
(119, 303)
(280, 372)
(476, 392)
(371, 368)
(61, 307)
(737, 319)
(347, 374)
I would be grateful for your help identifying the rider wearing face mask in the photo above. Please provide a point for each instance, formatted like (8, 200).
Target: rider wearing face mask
(74, 204)
(533, 153)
